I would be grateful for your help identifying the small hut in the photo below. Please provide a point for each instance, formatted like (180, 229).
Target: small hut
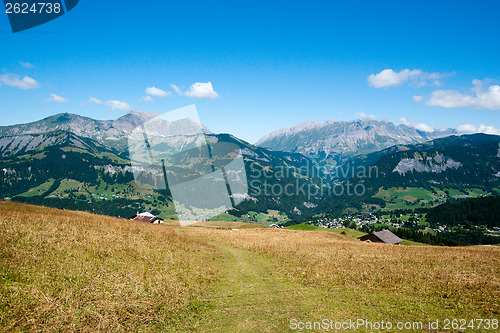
(384, 236)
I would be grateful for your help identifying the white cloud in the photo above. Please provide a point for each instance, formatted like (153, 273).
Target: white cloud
(198, 90)
(114, 104)
(470, 129)
(146, 99)
(389, 78)
(424, 128)
(478, 98)
(94, 100)
(419, 127)
(118, 105)
(365, 116)
(56, 98)
(202, 90)
(153, 91)
(26, 65)
(176, 89)
(16, 81)
(418, 99)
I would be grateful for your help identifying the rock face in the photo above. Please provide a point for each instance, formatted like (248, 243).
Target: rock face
(27, 143)
(346, 138)
(436, 164)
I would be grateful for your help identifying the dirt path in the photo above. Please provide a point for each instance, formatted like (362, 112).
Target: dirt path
(253, 298)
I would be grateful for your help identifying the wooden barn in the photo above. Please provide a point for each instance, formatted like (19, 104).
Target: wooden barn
(146, 217)
(384, 236)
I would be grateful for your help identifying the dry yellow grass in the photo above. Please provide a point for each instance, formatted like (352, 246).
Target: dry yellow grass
(74, 271)
(65, 271)
(227, 225)
(433, 281)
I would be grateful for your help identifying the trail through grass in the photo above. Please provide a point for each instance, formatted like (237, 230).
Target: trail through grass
(253, 298)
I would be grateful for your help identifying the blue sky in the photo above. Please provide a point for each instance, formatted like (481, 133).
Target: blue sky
(271, 64)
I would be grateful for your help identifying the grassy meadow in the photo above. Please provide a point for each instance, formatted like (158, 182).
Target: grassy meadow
(67, 271)
(73, 271)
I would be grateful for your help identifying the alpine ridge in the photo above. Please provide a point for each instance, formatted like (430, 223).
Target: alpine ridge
(346, 138)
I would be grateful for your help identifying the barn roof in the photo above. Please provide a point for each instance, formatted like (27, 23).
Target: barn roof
(387, 237)
(145, 217)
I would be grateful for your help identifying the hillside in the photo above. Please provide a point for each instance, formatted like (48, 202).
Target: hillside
(11, 146)
(63, 169)
(464, 141)
(422, 175)
(93, 165)
(88, 272)
(480, 211)
(445, 168)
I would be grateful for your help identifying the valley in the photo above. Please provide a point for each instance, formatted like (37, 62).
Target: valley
(73, 162)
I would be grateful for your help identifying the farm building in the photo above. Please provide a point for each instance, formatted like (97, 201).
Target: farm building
(384, 236)
(146, 217)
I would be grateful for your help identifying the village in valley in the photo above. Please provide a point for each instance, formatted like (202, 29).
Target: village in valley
(409, 222)
(369, 221)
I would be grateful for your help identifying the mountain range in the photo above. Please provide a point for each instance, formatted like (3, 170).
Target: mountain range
(76, 162)
(67, 160)
(341, 140)
(82, 126)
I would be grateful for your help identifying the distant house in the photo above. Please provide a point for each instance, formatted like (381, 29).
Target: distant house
(384, 236)
(146, 217)
(274, 225)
